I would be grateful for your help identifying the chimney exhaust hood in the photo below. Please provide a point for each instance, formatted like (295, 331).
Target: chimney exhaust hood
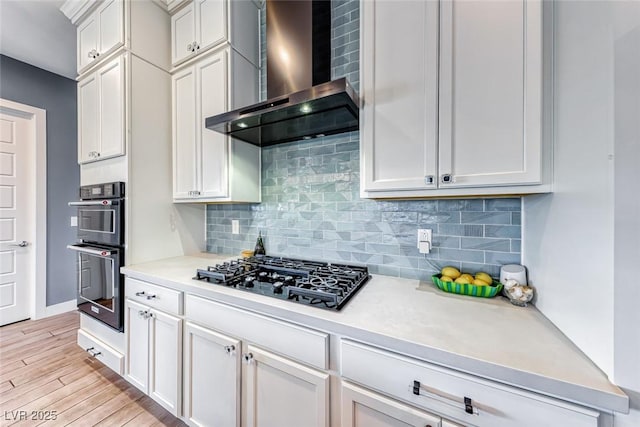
(302, 102)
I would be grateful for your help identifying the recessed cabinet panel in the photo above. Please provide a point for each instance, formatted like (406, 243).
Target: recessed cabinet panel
(87, 34)
(214, 157)
(111, 17)
(137, 333)
(211, 358)
(281, 392)
(364, 408)
(88, 118)
(112, 101)
(399, 129)
(183, 33)
(212, 22)
(165, 362)
(490, 110)
(184, 133)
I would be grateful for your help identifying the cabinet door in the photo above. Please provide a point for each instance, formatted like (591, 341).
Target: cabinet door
(364, 408)
(211, 24)
(87, 34)
(165, 360)
(183, 34)
(88, 119)
(111, 79)
(184, 133)
(398, 123)
(490, 92)
(137, 336)
(111, 18)
(211, 358)
(281, 392)
(214, 147)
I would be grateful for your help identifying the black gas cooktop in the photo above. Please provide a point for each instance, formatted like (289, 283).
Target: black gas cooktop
(314, 283)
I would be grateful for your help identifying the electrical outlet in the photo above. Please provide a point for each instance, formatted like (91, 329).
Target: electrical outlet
(235, 226)
(74, 221)
(424, 240)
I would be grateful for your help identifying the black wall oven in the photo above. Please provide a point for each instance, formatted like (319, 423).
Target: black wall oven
(100, 251)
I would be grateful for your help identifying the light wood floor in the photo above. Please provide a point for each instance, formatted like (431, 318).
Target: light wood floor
(43, 373)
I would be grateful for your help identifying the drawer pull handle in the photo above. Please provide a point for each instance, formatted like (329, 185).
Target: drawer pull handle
(92, 352)
(465, 403)
(140, 294)
(151, 296)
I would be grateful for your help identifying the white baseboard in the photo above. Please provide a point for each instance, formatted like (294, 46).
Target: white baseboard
(63, 307)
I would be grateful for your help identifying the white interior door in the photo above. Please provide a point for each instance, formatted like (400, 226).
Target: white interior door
(17, 217)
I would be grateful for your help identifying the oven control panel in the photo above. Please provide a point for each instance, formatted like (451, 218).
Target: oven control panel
(111, 190)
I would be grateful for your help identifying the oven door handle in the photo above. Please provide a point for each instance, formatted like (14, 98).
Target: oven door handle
(94, 203)
(86, 250)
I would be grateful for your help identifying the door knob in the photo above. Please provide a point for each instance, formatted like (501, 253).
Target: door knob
(22, 244)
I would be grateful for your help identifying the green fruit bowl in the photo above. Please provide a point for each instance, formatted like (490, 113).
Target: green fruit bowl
(468, 289)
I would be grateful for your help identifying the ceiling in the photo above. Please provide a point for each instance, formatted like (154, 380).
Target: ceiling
(38, 33)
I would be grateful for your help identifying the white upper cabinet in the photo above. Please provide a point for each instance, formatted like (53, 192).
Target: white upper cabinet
(465, 115)
(399, 81)
(203, 24)
(108, 27)
(101, 111)
(210, 166)
(100, 33)
(490, 92)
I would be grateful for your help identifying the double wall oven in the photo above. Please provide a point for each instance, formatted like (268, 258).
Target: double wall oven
(100, 251)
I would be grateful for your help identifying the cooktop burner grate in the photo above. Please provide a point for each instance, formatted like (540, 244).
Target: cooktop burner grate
(314, 283)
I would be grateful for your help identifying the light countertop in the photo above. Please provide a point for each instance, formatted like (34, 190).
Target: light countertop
(489, 338)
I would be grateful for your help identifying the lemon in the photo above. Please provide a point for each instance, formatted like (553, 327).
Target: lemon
(468, 277)
(479, 282)
(484, 277)
(462, 280)
(446, 279)
(452, 272)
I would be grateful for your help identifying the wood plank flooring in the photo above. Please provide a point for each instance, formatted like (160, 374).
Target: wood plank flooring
(44, 374)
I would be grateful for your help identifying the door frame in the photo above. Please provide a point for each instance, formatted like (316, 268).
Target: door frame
(38, 118)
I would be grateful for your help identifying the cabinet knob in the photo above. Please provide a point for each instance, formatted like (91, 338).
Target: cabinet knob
(230, 348)
(97, 154)
(90, 54)
(446, 178)
(248, 357)
(189, 48)
(97, 54)
(428, 179)
(142, 313)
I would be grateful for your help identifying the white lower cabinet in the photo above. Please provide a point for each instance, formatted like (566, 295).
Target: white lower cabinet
(281, 392)
(469, 400)
(212, 377)
(250, 370)
(364, 408)
(154, 354)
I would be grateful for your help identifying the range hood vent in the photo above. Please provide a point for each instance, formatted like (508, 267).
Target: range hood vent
(302, 103)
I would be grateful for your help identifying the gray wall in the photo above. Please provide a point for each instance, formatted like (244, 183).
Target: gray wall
(33, 86)
(312, 209)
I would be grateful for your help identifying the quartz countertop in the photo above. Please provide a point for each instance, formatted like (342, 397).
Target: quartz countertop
(489, 338)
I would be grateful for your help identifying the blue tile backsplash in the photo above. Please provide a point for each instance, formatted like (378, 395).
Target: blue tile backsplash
(311, 206)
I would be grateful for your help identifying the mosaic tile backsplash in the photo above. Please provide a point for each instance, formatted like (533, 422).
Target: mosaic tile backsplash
(311, 206)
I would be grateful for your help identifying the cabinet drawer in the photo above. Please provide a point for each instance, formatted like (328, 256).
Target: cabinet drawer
(302, 344)
(154, 296)
(443, 390)
(101, 351)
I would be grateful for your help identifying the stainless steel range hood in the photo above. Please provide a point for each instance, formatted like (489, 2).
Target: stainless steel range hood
(302, 102)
